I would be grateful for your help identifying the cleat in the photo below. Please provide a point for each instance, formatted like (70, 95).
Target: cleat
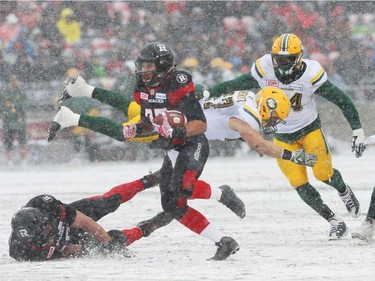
(338, 229)
(151, 179)
(226, 247)
(158, 221)
(351, 202)
(52, 131)
(365, 231)
(232, 201)
(63, 96)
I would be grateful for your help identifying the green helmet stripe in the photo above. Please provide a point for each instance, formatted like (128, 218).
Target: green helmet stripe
(284, 42)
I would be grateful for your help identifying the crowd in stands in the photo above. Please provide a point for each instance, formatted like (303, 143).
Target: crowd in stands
(44, 41)
(216, 40)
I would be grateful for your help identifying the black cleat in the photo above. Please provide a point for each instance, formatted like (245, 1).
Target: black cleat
(232, 201)
(53, 129)
(156, 222)
(63, 96)
(226, 247)
(151, 179)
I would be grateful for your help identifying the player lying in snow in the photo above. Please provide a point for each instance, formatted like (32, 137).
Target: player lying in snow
(239, 115)
(46, 229)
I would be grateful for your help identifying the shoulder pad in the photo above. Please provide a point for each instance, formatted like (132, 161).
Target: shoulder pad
(181, 85)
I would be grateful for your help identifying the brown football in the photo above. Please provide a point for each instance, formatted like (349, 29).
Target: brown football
(175, 118)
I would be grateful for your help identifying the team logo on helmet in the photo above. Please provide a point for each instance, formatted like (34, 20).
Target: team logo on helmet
(47, 198)
(162, 47)
(271, 103)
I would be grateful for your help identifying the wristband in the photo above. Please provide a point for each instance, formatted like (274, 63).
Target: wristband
(179, 132)
(139, 129)
(286, 155)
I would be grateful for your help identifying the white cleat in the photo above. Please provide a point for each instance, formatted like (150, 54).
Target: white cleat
(364, 232)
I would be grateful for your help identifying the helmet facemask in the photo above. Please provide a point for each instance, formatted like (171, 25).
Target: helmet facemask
(270, 125)
(286, 65)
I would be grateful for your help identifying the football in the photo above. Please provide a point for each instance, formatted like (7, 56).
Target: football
(175, 118)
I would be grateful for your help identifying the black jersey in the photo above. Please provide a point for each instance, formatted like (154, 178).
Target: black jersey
(176, 92)
(61, 217)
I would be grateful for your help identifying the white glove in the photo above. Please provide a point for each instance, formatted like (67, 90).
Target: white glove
(66, 118)
(79, 88)
(358, 144)
(165, 128)
(206, 94)
(130, 131)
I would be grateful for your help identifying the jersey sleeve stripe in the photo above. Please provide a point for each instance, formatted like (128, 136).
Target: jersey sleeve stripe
(317, 77)
(253, 114)
(259, 69)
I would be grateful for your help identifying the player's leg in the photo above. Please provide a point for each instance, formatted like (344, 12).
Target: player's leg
(366, 230)
(99, 206)
(188, 160)
(316, 142)
(298, 179)
(224, 194)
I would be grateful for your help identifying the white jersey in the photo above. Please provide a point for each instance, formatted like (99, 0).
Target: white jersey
(218, 111)
(300, 92)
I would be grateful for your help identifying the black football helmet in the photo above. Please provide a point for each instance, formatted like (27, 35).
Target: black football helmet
(161, 55)
(29, 225)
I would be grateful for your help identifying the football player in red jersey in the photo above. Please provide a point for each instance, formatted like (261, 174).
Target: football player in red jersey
(162, 87)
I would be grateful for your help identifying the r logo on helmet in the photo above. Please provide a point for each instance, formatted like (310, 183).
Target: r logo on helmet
(162, 48)
(23, 233)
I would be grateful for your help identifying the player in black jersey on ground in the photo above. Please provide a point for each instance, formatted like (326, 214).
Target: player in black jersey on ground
(46, 229)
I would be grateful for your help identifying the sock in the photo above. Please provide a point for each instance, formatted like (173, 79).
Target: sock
(127, 191)
(337, 182)
(194, 220)
(201, 190)
(212, 233)
(312, 198)
(133, 235)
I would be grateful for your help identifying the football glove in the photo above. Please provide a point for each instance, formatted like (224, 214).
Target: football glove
(64, 118)
(129, 131)
(300, 157)
(358, 144)
(77, 87)
(165, 129)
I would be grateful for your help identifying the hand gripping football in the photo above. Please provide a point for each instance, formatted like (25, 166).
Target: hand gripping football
(173, 117)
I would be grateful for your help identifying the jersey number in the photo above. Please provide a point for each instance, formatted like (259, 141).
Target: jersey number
(295, 102)
(152, 113)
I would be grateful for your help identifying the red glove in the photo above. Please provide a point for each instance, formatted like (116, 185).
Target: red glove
(129, 131)
(165, 128)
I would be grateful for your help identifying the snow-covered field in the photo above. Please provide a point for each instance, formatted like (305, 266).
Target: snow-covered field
(281, 238)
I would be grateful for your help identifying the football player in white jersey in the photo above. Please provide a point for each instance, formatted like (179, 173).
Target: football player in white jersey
(302, 79)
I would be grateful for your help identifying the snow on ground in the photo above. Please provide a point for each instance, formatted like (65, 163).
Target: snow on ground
(281, 238)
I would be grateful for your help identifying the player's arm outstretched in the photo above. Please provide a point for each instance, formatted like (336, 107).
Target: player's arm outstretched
(243, 82)
(255, 140)
(78, 87)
